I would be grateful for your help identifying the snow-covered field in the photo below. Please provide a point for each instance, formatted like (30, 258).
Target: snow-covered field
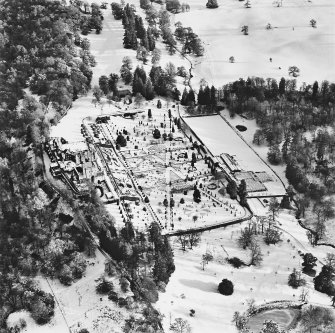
(292, 41)
(192, 288)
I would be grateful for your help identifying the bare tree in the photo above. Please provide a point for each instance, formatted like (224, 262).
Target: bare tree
(240, 321)
(206, 258)
(256, 256)
(180, 326)
(245, 30)
(294, 71)
(183, 241)
(304, 295)
(274, 206)
(194, 239)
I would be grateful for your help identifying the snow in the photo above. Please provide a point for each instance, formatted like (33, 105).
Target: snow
(248, 136)
(79, 303)
(310, 49)
(220, 138)
(192, 288)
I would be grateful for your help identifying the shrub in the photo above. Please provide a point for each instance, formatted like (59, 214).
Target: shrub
(112, 296)
(295, 280)
(212, 4)
(226, 287)
(236, 262)
(65, 276)
(156, 133)
(104, 286)
(122, 302)
(272, 236)
(124, 284)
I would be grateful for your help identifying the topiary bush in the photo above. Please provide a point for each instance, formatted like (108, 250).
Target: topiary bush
(226, 287)
(212, 4)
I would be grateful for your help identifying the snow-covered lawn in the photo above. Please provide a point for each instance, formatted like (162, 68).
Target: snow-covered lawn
(292, 41)
(192, 288)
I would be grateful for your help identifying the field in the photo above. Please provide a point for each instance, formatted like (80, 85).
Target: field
(190, 287)
(292, 41)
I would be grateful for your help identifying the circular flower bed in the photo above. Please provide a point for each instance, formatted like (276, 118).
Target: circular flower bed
(212, 186)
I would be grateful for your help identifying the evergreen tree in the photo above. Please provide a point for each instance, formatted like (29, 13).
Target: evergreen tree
(138, 86)
(139, 27)
(196, 195)
(242, 192)
(160, 270)
(145, 41)
(176, 94)
(232, 189)
(151, 40)
(149, 90)
(207, 96)
(213, 96)
(184, 98)
(315, 91)
(140, 72)
(282, 85)
(201, 96)
(191, 97)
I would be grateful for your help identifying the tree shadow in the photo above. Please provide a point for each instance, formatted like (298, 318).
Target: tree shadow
(204, 286)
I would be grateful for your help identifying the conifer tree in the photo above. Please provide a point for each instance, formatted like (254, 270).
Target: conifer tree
(149, 90)
(184, 97)
(201, 96)
(207, 96)
(151, 40)
(190, 97)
